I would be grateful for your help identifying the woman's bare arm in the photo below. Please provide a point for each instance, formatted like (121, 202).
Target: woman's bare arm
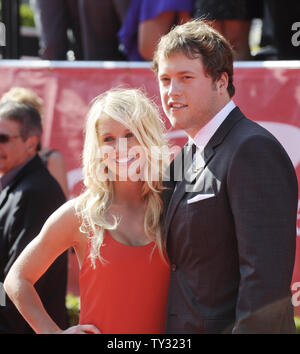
(58, 234)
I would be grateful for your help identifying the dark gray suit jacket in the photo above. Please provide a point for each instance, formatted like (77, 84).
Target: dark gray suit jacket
(232, 247)
(25, 204)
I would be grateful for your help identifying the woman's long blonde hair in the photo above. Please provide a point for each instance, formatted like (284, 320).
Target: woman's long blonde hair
(139, 114)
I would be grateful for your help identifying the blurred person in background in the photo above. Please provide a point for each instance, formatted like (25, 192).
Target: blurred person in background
(28, 195)
(100, 22)
(52, 158)
(58, 26)
(285, 17)
(232, 18)
(147, 21)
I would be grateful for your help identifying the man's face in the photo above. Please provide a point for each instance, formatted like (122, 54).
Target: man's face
(15, 151)
(189, 96)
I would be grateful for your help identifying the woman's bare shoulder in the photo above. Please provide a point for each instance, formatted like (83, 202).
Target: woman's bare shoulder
(66, 212)
(65, 221)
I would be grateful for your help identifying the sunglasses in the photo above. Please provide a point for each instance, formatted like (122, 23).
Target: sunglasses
(5, 138)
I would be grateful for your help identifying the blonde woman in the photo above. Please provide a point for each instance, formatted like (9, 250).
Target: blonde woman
(114, 226)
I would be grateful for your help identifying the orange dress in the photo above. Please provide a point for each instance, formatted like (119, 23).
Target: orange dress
(127, 293)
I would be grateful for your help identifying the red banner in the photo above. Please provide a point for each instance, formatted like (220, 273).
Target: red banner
(267, 92)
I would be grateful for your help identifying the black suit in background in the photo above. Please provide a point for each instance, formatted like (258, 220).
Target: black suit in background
(232, 253)
(25, 205)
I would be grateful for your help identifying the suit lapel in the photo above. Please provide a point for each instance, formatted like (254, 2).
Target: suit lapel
(191, 172)
(175, 199)
(3, 196)
(233, 118)
(178, 171)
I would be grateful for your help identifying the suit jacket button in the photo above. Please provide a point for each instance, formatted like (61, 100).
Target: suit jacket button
(173, 267)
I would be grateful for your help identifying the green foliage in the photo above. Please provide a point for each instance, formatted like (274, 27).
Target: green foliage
(297, 322)
(26, 16)
(73, 308)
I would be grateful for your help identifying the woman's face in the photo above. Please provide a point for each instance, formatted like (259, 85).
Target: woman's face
(121, 152)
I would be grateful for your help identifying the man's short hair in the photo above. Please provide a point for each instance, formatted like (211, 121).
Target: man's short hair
(197, 39)
(26, 116)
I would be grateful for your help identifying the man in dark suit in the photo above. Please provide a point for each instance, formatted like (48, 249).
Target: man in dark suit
(28, 195)
(230, 222)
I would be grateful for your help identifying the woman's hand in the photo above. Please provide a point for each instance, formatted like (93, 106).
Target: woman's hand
(81, 329)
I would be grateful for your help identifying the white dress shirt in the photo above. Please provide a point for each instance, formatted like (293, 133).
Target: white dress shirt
(205, 133)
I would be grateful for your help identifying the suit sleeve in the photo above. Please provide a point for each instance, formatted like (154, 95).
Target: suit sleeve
(25, 222)
(263, 192)
(31, 210)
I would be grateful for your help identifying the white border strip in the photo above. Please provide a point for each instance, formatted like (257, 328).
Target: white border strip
(288, 64)
(36, 63)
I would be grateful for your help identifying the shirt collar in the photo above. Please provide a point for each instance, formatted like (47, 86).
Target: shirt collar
(205, 133)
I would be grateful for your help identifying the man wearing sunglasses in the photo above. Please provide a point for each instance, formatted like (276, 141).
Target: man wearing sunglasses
(28, 195)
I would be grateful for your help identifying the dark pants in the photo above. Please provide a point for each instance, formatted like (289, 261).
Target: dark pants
(100, 22)
(284, 14)
(53, 18)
